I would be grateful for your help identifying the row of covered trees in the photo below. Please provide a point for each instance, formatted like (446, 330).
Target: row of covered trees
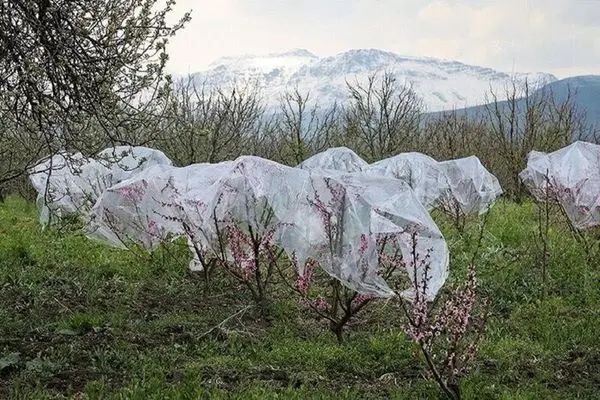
(381, 118)
(85, 75)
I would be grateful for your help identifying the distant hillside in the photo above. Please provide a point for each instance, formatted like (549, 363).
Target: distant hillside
(585, 89)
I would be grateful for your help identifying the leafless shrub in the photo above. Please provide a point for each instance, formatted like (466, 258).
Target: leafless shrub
(302, 128)
(528, 120)
(210, 124)
(383, 117)
(453, 134)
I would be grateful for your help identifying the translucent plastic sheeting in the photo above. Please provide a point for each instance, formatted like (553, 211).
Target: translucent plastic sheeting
(473, 189)
(193, 201)
(255, 195)
(66, 184)
(307, 210)
(421, 172)
(300, 211)
(125, 161)
(337, 159)
(146, 209)
(71, 183)
(128, 211)
(569, 176)
(379, 207)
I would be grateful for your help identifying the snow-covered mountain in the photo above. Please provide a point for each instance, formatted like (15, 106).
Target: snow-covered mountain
(442, 84)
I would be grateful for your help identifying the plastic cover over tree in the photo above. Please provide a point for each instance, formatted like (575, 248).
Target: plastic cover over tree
(71, 183)
(333, 219)
(473, 189)
(337, 159)
(364, 209)
(421, 172)
(146, 209)
(570, 177)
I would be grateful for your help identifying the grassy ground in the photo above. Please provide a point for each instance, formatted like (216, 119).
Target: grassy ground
(80, 320)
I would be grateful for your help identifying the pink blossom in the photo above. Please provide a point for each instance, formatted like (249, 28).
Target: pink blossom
(133, 193)
(320, 304)
(323, 212)
(364, 243)
(304, 281)
(362, 299)
(153, 228)
(337, 190)
(452, 321)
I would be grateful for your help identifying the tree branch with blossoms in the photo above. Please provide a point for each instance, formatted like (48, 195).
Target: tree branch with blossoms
(324, 294)
(448, 336)
(246, 249)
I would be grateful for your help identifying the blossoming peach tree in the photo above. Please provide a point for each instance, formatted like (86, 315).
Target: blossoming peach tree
(574, 206)
(243, 245)
(447, 334)
(317, 282)
(137, 227)
(447, 331)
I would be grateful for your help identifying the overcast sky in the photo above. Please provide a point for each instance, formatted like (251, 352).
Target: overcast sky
(557, 36)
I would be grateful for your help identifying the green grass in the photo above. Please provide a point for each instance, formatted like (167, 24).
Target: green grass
(81, 320)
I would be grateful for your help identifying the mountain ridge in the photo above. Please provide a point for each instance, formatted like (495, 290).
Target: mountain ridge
(443, 84)
(584, 91)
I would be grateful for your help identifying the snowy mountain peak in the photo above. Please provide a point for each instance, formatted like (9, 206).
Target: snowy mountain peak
(442, 84)
(295, 53)
(303, 54)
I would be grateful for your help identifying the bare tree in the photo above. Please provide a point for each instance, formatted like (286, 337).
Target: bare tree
(211, 124)
(73, 72)
(454, 134)
(528, 120)
(303, 128)
(383, 118)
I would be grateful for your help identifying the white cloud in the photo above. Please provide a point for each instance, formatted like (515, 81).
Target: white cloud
(559, 36)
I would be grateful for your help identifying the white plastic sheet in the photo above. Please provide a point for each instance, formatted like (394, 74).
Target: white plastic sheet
(359, 208)
(379, 207)
(126, 161)
(147, 208)
(286, 204)
(569, 176)
(67, 184)
(473, 189)
(422, 173)
(337, 159)
(71, 183)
